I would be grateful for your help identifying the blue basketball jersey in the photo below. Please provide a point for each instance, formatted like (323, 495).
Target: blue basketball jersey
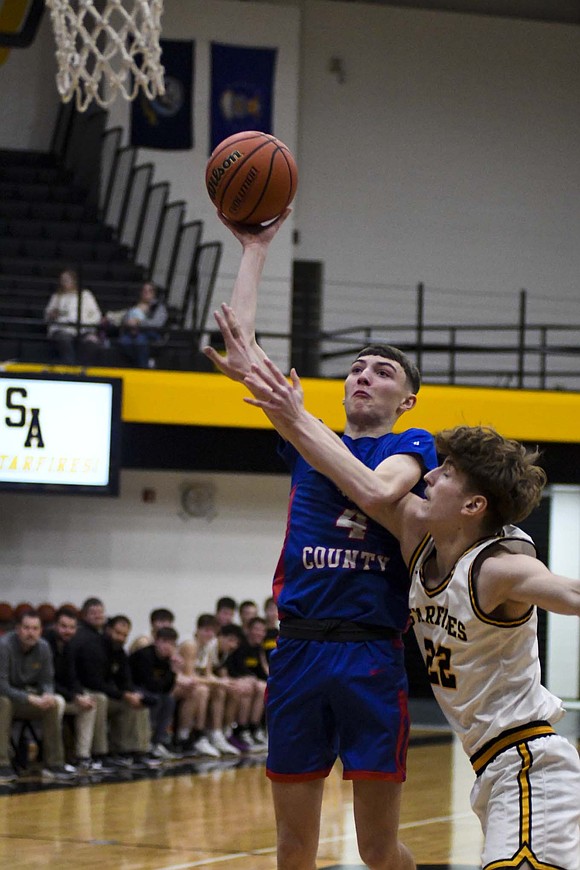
(337, 563)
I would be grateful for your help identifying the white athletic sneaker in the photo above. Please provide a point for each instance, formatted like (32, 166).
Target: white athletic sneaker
(161, 751)
(246, 735)
(217, 738)
(261, 737)
(202, 746)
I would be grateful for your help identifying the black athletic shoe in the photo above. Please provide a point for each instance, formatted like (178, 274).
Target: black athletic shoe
(119, 762)
(60, 773)
(94, 767)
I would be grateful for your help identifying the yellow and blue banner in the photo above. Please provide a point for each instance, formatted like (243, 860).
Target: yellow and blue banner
(166, 122)
(242, 90)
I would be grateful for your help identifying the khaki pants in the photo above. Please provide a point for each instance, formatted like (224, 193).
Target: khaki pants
(128, 727)
(90, 726)
(52, 744)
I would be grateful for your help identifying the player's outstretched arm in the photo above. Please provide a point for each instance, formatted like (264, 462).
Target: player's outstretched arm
(524, 580)
(282, 403)
(255, 241)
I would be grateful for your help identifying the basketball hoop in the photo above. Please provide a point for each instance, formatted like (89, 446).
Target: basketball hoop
(116, 45)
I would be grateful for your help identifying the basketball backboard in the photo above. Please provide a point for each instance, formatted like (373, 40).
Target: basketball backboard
(19, 20)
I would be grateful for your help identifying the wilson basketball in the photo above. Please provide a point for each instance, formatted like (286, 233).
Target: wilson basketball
(251, 177)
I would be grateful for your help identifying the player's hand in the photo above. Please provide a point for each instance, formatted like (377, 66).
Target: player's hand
(257, 234)
(240, 355)
(273, 393)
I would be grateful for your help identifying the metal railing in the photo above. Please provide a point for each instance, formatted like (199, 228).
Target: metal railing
(457, 354)
(520, 354)
(539, 357)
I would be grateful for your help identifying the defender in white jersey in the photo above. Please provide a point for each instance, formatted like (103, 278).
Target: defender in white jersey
(450, 625)
(475, 585)
(485, 674)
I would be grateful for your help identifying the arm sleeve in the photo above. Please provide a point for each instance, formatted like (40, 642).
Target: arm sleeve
(418, 443)
(52, 303)
(6, 688)
(144, 675)
(138, 669)
(92, 672)
(91, 313)
(158, 318)
(65, 682)
(46, 675)
(124, 677)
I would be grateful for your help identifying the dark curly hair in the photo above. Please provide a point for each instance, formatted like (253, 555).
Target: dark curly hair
(504, 471)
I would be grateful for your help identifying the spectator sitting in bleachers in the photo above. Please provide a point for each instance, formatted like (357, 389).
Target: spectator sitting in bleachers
(225, 610)
(240, 691)
(192, 732)
(152, 670)
(125, 701)
(62, 316)
(249, 734)
(248, 611)
(89, 709)
(27, 692)
(139, 326)
(95, 666)
(160, 617)
(199, 656)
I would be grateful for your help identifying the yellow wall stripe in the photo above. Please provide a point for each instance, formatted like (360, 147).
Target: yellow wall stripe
(207, 399)
(12, 15)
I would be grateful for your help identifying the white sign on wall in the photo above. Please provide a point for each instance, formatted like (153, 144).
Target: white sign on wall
(59, 432)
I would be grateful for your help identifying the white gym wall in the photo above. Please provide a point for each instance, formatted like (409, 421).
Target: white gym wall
(443, 147)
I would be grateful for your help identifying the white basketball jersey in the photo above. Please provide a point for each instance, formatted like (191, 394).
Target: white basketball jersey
(485, 673)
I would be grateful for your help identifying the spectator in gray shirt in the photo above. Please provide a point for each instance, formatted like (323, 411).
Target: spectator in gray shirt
(27, 692)
(142, 325)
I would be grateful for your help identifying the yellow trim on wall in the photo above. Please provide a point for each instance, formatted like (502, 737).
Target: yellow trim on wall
(13, 15)
(206, 399)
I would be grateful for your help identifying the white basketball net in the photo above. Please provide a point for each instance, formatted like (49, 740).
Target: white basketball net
(118, 44)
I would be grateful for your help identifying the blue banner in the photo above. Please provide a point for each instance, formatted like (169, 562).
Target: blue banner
(166, 122)
(242, 89)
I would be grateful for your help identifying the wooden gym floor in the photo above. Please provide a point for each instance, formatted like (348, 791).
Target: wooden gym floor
(218, 814)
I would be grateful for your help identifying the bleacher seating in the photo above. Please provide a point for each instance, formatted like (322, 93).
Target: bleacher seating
(118, 232)
(46, 224)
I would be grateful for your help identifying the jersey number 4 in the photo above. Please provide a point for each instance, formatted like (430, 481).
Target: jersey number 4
(438, 661)
(355, 522)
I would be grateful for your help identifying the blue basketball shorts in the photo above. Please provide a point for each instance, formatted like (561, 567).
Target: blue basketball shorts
(332, 699)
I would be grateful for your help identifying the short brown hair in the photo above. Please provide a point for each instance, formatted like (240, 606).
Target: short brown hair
(29, 612)
(166, 632)
(65, 610)
(503, 470)
(389, 352)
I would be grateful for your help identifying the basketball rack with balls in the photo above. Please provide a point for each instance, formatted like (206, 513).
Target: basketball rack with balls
(105, 48)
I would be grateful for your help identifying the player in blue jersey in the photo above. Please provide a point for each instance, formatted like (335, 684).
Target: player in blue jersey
(337, 685)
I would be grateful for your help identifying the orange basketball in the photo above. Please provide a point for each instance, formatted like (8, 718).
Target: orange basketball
(251, 177)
